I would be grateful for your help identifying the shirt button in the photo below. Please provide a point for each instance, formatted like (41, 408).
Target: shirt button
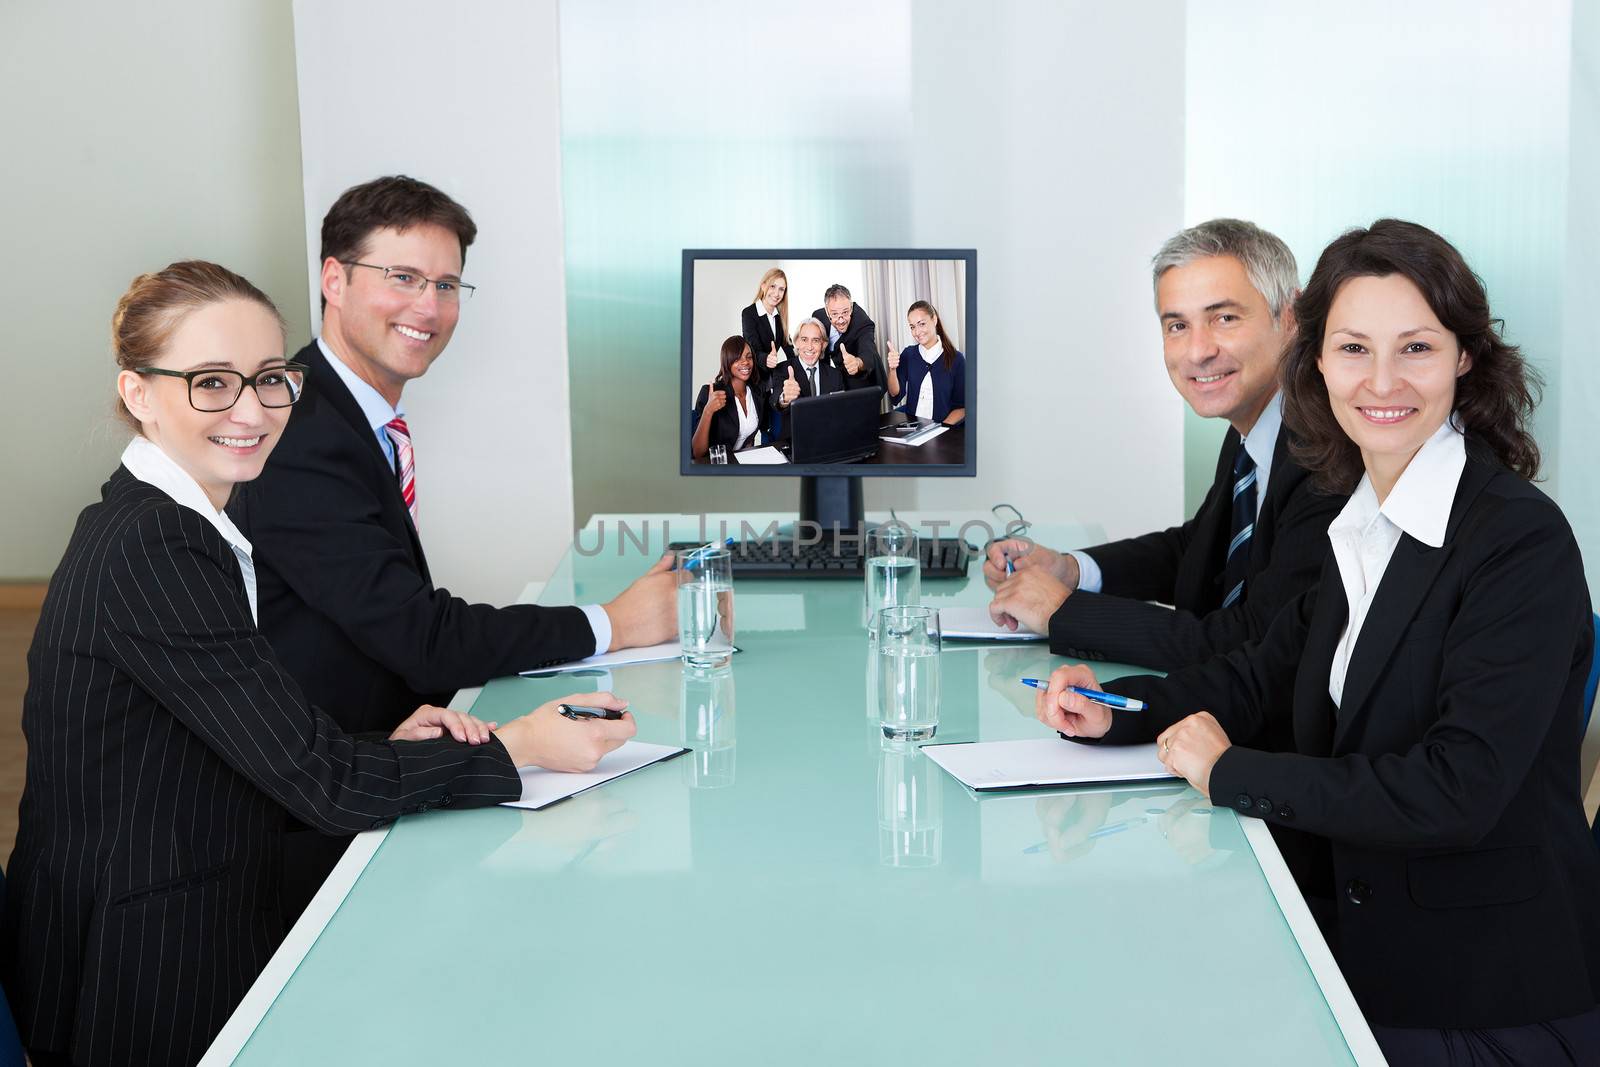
(1357, 891)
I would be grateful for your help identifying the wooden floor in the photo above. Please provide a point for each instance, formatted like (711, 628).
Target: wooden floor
(16, 631)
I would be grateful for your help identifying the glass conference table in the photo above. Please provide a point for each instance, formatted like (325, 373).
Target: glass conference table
(794, 890)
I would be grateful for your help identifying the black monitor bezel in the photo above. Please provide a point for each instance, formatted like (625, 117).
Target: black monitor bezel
(688, 468)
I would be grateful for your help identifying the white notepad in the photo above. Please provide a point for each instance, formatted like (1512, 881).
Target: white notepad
(974, 624)
(764, 456)
(917, 439)
(1045, 761)
(542, 788)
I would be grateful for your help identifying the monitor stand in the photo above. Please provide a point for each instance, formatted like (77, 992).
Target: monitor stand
(828, 503)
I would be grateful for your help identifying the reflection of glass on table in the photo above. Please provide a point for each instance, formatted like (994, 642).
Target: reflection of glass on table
(706, 725)
(910, 807)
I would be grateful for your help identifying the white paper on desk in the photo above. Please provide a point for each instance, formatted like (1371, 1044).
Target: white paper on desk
(622, 657)
(764, 456)
(914, 440)
(542, 788)
(1045, 761)
(974, 624)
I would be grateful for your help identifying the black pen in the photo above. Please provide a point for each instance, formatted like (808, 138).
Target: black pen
(577, 712)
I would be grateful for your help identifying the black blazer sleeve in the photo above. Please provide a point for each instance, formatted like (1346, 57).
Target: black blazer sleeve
(174, 620)
(1121, 628)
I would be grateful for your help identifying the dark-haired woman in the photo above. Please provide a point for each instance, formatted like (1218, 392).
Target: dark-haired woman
(730, 411)
(1435, 678)
(930, 382)
(167, 747)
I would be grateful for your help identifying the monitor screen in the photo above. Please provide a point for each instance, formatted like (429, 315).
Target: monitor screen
(829, 362)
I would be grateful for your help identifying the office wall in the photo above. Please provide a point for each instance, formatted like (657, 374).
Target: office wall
(1049, 136)
(133, 135)
(490, 419)
(1577, 441)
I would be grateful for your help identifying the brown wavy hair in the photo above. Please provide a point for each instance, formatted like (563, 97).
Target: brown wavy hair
(1494, 399)
(948, 358)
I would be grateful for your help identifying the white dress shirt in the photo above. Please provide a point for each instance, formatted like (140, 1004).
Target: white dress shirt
(772, 324)
(749, 420)
(924, 408)
(1260, 442)
(377, 411)
(1366, 533)
(146, 462)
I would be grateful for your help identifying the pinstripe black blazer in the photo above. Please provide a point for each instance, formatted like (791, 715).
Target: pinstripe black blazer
(166, 749)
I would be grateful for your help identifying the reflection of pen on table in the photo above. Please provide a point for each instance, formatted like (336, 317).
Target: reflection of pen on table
(1104, 831)
(1110, 700)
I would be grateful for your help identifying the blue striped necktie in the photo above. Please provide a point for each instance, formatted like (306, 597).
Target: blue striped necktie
(1243, 524)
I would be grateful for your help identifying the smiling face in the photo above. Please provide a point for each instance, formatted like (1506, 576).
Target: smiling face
(386, 333)
(216, 448)
(838, 310)
(809, 343)
(1391, 368)
(773, 295)
(924, 327)
(743, 367)
(1219, 340)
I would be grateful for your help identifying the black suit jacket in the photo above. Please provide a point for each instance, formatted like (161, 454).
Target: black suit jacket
(1183, 566)
(830, 379)
(345, 594)
(862, 341)
(758, 335)
(725, 423)
(1443, 790)
(166, 748)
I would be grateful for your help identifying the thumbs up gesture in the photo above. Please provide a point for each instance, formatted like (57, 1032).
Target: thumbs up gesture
(852, 364)
(891, 356)
(773, 359)
(791, 389)
(716, 399)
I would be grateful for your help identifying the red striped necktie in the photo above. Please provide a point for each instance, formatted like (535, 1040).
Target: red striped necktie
(400, 434)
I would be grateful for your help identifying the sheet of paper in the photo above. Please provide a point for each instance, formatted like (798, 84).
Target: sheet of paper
(912, 442)
(764, 456)
(620, 658)
(974, 624)
(542, 788)
(1045, 761)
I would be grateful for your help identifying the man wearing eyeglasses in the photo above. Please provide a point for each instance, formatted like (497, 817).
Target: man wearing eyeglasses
(346, 598)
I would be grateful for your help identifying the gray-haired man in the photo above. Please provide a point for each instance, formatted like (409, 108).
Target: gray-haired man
(1224, 294)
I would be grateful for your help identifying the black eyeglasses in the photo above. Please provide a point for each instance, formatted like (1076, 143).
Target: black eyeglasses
(219, 390)
(408, 280)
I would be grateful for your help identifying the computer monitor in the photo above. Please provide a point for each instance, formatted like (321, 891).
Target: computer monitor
(822, 328)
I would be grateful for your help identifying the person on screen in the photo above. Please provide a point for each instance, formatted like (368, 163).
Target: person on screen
(732, 410)
(761, 324)
(1435, 678)
(852, 338)
(1223, 297)
(807, 372)
(167, 744)
(338, 517)
(932, 383)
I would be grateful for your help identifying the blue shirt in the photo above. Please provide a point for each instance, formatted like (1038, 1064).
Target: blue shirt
(949, 386)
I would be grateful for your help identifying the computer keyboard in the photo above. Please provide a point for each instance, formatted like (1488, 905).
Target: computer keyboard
(782, 558)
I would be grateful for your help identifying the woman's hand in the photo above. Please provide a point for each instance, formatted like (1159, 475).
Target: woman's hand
(1068, 713)
(1191, 747)
(546, 738)
(716, 400)
(429, 722)
(773, 357)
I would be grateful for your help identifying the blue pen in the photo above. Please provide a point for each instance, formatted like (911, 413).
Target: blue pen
(1110, 700)
(709, 546)
(1104, 831)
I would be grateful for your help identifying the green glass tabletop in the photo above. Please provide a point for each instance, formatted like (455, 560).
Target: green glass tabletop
(797, 890)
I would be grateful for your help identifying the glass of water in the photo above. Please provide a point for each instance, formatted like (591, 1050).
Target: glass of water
(908, 673)
(705, 606)
(894, 576)
(718, 454)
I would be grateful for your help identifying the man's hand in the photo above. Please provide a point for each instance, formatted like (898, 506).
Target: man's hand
(852, 364)
(1027, 599)
(429, 722)
(1024, 555)
(1065, 711)
(791, 390)
(1191, 746)
(773, 358)
(645, 613)
(546, 738)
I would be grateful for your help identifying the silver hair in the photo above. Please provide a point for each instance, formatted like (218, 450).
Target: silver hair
(1267, 261)
(812, 320)
(835, 290)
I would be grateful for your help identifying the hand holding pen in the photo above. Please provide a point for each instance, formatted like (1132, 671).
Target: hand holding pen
(1063, 707)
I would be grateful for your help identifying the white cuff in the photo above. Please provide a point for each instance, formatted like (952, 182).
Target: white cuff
(600, 623)
(1089, 577)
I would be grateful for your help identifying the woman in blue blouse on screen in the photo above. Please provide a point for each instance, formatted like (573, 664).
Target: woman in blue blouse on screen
(928, 380)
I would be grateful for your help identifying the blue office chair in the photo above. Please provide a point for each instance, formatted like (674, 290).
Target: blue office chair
(11, 1054)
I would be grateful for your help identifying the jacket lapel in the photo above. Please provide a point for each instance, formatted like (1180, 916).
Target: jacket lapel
(1314, 711)
(1406, 582)
(1200, 573)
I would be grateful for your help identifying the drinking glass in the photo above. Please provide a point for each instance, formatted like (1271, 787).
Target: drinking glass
(705, 606)
(908, 673)
(718, 454)
(894, 575)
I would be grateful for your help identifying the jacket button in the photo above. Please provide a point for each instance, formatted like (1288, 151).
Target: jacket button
(1243, 802)
(1357, 891)
(1263, 807)
(1285, 811)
